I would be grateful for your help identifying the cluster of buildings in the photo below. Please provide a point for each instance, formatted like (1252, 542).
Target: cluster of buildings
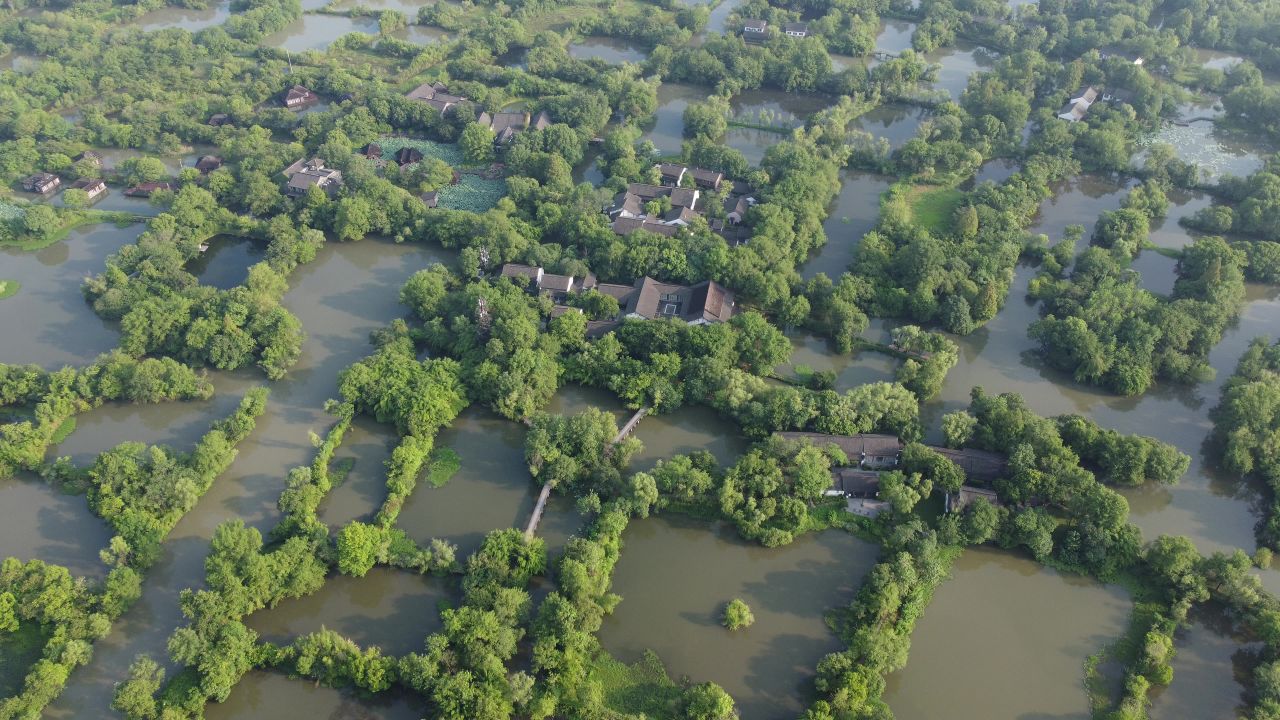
(758, 30)
(870, 454)
(1078, 105)
(665, 208)
(646, 299)
(306, 174)
(504, 125)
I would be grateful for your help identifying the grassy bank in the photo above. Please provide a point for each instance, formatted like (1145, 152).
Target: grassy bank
(641, 688)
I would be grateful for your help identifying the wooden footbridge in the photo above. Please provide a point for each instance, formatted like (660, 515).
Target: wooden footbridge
(532, 528)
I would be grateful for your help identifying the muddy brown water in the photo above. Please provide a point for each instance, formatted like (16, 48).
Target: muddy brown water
(390, 609)
(48, 322)
(270, 696)
(1006, 638)
(675, 577)
(349, 290)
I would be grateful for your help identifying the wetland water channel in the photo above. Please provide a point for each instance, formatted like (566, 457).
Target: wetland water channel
(1036, 626)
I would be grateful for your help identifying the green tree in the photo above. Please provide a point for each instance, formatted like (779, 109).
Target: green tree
(737, 615)
(708, 701)
(41, 221)
(143, 169)
(135, 698)
(477, 144)
(8, 615)
(360, 546)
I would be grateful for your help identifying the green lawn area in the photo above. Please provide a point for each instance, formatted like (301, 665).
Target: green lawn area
(643, 687)
(932, 207)
(8, 288)
(18, 652)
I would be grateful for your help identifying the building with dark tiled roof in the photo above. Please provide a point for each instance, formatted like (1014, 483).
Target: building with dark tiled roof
(956, 502)
(208, 163)
(41, 183)
(538, 280)
(671, 173)
(627, 225)
(979, 465)
(706, 302)
(795, 29)
(754, 30)
(408, 156)
(147, 189)
(92, 187)
(437, 96)
(298, 96)
(707, 179)
(305, 174)
(866, 450)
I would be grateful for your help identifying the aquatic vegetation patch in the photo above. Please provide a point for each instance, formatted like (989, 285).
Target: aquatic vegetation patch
(10, 212)
(473, 193)
(8, 288)
(444, 464)
(449, 153)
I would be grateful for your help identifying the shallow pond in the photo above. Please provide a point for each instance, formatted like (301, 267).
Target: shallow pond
(1158, 272)
(390, 609)
(179, 425)
(1209, 665)
(688, 429)
(1210, 508)
(815, 353)
(491, 490)
(996, 171)
(420, 34)
(895, 123)
(22, 63)
(958, 63)
(1006, 638)
(667, 128)
(270, 696)
(317, 32)
(675, 577)
(1167, 232)
(408, 7)
(365, 450)
(1217, 153)
(1078, 201)
(188, 19)
(718, 21)
(611, 50)
(855, 211)
(48, 321)
(895, 36)
(772, 108)
(37, 521)
(349, 290)
(226, 263)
